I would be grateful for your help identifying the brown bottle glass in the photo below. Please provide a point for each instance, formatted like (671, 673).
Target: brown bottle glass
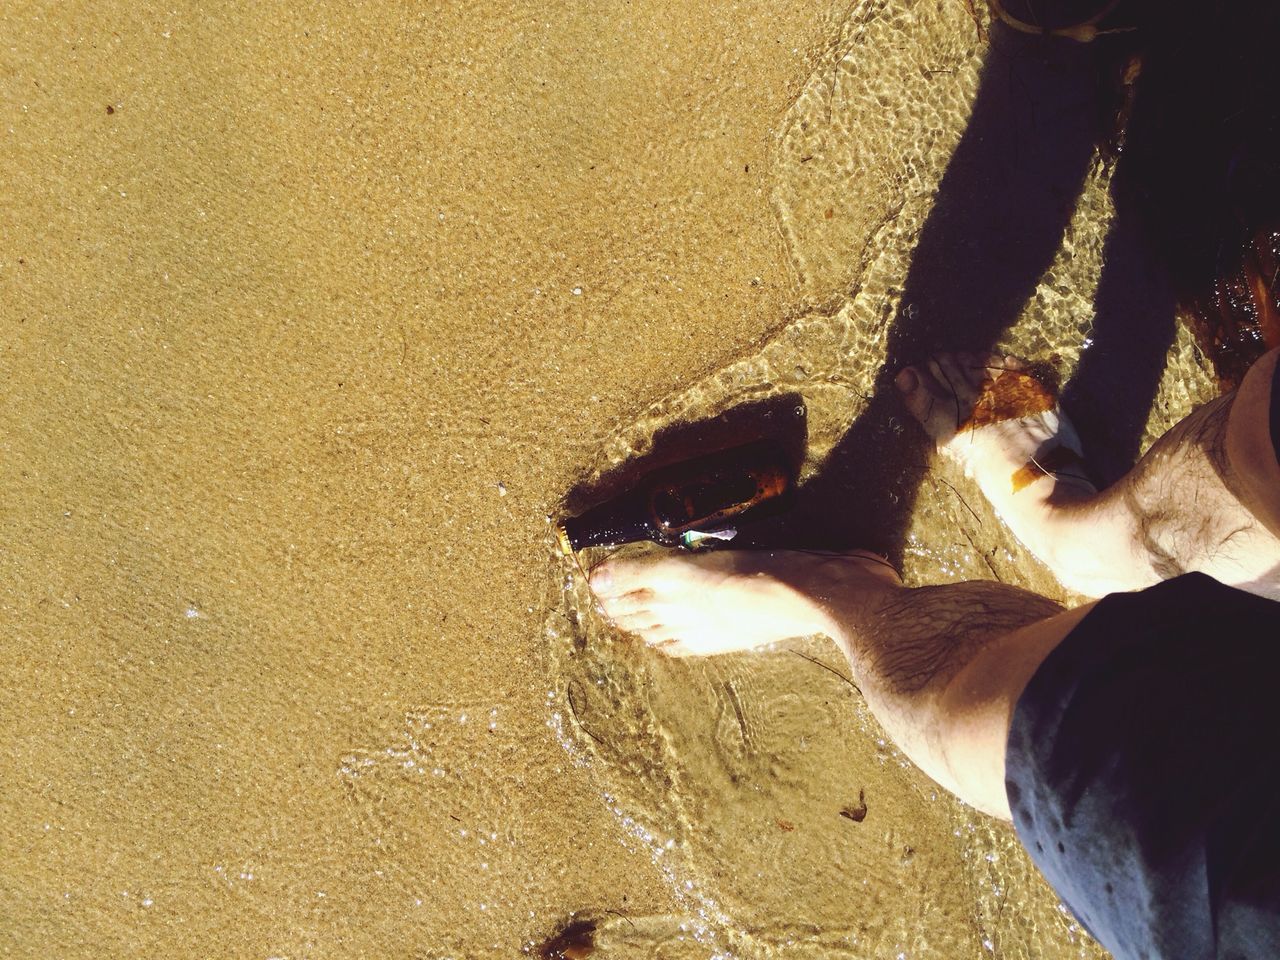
(699, 495)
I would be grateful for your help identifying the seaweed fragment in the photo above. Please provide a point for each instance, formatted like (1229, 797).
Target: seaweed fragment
(576, 940)
(857, 812)
(1238, 318)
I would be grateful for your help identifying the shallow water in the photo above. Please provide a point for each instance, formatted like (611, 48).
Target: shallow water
(308, 336)
(732, 772)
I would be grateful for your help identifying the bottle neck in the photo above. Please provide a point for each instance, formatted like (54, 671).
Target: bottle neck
(624, 520)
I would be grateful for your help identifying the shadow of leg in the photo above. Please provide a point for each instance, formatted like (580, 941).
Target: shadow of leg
(998, 220)
(1110, 395)
(1007, 196)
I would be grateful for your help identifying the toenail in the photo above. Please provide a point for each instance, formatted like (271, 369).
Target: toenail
(601, 580)
(906, 380)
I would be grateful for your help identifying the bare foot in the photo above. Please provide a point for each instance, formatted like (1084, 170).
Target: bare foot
(723, 601)
(994, 418)
(1172, 513)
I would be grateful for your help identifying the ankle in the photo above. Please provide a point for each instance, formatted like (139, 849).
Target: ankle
(843, 592)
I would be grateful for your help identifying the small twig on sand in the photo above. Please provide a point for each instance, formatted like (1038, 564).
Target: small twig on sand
(573, 708)
(827, 667)
(961, 499)
(970, 6)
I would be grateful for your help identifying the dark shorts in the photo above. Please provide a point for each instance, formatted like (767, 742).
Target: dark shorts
(1143, 771)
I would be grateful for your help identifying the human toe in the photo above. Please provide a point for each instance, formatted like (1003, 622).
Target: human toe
(928, 399)
(627, 612)
(961, 374)
(629, 604)
(907, 381)
(616, 578)
(981, 369)
(601, 579)
(918, 384)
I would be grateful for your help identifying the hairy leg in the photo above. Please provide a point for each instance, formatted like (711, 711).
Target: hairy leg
(1205, 497)
(914, 656)
(1253, 442)
(1183, 504)
(912, 650)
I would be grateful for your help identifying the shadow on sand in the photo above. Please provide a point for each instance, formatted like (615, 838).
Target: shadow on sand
(1196, 174)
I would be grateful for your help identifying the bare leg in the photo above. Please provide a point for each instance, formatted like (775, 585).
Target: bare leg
(941, 667)
(1205, 497)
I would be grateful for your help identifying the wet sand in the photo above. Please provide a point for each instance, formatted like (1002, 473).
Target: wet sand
(313, 318)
